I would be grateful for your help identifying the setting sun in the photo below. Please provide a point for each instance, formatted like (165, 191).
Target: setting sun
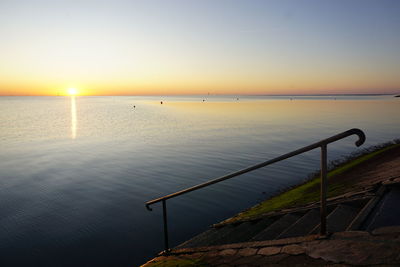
(72, 91)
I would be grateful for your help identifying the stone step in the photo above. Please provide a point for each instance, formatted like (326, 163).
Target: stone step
(387, 212)
(245, 231)
(276, 228)
(339, 219)
(303, 225)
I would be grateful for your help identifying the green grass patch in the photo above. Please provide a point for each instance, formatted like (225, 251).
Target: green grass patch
(309, 191)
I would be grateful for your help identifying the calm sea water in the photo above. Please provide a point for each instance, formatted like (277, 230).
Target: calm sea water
(75, 172)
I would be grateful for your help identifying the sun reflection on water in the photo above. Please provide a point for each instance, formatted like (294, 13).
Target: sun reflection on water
(74, 122)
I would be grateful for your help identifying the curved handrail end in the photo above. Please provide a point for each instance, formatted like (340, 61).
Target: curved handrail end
(361, 136)
(148, 207)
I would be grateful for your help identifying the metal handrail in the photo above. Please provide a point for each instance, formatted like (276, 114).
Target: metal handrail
(322, 144)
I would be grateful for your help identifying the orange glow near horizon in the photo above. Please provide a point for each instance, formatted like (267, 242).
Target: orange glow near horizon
(180, 81)
(234, 87)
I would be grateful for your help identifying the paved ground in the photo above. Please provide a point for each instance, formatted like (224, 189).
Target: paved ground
(382, 167)
(379, 248)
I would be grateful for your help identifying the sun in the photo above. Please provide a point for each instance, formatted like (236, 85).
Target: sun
(72, 91)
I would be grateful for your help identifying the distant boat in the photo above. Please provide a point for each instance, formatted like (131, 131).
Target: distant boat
(397, 96)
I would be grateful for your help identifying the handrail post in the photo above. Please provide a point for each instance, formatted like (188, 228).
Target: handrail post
(166, 245)
(323, 188)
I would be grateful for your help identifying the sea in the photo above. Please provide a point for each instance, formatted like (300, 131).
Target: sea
(76, 171)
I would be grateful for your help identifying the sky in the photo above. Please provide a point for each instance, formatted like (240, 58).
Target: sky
(170, 47)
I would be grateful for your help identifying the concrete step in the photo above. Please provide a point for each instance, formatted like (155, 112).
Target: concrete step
(245, 231)
(276, 228)
(339, 219)
(362, 216)
(387, 212)
(294, 224)
(228, 234)
(303, 225)
(207, 238)
(198, 239)
(220, 234)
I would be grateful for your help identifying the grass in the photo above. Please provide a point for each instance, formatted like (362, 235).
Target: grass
(310, 191)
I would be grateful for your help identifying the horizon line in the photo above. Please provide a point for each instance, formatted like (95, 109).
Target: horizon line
(339, 94)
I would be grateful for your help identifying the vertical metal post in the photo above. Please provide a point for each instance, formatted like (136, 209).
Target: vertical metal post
(323, 188)
(165, 226)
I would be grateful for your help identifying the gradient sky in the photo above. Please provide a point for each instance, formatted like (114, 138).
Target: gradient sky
(120, 47)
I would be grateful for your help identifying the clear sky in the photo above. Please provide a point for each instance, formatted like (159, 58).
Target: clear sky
(163, 47)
